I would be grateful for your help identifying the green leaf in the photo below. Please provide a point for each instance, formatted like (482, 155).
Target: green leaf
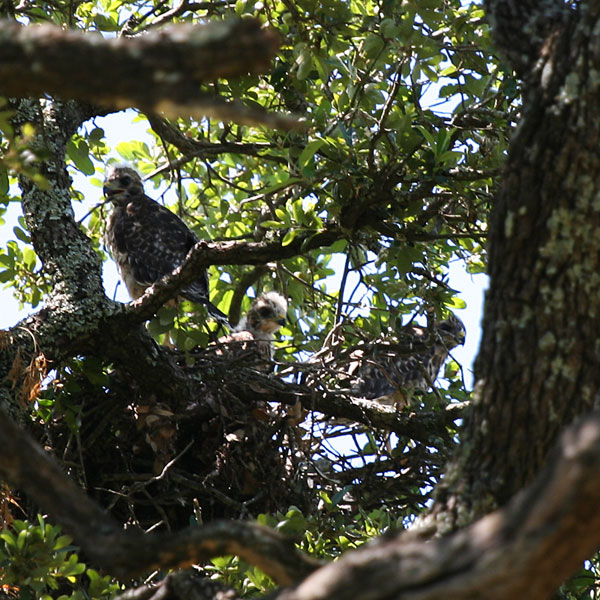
(298, 212)
(104, 23)
(21, 235)
(134, 150)
(96, 135)
(273, 225)
(456, 302)
(389, 29)
(373, 45)
(222, 562)
(79, 152)
(61, 542)
(427, 135)
(338, 496)
(284, 216)
(304, 64)
(289, 237)
(22, 538)
(309, 151)
(4, 185)
(9, 538)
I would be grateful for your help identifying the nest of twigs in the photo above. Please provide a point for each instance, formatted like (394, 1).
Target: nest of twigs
(244, 446)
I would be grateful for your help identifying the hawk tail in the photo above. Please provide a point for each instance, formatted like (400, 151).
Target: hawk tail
(213, 311)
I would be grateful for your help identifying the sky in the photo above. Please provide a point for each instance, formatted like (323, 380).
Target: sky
(118, 127)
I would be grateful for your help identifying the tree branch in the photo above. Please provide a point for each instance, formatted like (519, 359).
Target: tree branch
(157, 72)
(523, 551)
(205, 253)
(127, 553)
(541, 199)
(251, 385)
(181, 585)
(192, 148)
(241, 288)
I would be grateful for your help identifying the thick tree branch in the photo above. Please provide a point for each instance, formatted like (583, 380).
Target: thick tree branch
(251, 385)
(181, 386)
(523, 551)
(157, 72)
(181, 585)
(76, 300)
(204, 254)
(535, 365)
(421, 426)
(127, 552)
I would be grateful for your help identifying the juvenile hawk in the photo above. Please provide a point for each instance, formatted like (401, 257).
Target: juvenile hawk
(390, 376)
(148, 241)
(257, 328)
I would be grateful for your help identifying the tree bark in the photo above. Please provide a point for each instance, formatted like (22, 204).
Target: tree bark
(159, 72)
(537, 367)
(522, 551)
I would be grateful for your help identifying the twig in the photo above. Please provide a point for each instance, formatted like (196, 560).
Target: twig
(128, 552)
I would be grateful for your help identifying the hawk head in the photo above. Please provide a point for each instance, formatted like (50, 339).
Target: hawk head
(451, 331)
(121, 183)
(266, 315)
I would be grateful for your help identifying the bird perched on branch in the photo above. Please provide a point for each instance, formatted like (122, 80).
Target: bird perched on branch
(255, 332)
(390, 375)
(148, 241)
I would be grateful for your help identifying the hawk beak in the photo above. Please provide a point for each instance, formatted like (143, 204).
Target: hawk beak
(110, 189)
(281, 321)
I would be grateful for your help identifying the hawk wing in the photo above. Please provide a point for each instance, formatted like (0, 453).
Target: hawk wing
(148, 240)
(385, 372)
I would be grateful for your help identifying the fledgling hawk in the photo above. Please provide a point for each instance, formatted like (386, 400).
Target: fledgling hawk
(390, 377)
(147, 240)
(257, 328)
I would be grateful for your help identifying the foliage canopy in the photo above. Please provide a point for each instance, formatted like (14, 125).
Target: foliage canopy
(406, 114)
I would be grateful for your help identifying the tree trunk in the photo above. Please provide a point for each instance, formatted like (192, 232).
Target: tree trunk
(537, 369)
(538, 363)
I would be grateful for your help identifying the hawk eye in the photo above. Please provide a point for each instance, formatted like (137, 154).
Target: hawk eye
(264, 311)
(125, 179)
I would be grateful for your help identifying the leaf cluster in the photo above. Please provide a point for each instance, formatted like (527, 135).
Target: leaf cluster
(38, 562)
(407, 113)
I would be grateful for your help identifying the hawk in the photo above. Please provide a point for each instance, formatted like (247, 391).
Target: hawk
(390, 376)
(147, 240)
(257, 328)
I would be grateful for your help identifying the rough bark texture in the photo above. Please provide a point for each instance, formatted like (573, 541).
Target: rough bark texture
(537, 367)
(161, 71)
(522, 551)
